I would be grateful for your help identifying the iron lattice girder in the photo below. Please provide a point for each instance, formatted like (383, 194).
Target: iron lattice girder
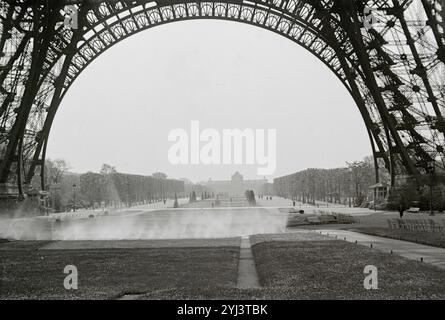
(406, 124)
(422, 82)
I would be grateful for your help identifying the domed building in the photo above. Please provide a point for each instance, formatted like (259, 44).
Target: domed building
(236, 185)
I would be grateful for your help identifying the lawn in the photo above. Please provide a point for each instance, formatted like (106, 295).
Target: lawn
(334, 270)
(377, 224)
(302, 265)
(435, 239)
(28, 273)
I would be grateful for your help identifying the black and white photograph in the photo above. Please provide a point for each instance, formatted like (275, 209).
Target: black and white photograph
(222, 155)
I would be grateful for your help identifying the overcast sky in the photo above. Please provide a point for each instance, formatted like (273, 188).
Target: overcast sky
(226, 75)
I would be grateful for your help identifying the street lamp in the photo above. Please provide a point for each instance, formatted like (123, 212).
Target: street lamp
(303, 190)
(351, 181)
(432, 170)
(128, 193)
(74, 191)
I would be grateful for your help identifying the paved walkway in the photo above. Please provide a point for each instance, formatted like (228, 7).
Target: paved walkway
(247, 275)
(414, 251)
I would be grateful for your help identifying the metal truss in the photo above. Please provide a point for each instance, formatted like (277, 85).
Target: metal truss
(395, 71)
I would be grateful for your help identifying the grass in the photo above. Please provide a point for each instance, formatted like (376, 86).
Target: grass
(377, 224)
(334, 270)
(435, 239)
(28, 273)
(302, 265)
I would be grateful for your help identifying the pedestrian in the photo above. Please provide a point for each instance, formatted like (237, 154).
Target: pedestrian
(401, 211)
(293, 203)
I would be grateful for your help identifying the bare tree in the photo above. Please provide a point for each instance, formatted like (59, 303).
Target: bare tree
(361, 178)
(55, 170)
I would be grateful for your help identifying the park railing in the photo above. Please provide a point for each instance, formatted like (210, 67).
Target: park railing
(427, 225)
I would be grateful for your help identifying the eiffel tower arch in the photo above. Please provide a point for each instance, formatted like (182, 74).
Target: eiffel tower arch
(389, 55)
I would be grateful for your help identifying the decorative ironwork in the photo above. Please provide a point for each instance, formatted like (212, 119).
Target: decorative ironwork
(394, 68)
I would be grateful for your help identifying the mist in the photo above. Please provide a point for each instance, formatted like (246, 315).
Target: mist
(145, 225)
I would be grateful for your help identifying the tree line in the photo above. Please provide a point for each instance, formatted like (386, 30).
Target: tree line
(349, 184)
(106, 188)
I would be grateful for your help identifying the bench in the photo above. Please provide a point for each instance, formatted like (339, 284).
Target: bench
(313, 220)
(327, 218)
(293, 220)
(413, 210)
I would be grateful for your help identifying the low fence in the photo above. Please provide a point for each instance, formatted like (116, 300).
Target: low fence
(427, 225)
(321, 218)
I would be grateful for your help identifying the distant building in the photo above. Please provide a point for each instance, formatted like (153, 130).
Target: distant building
(380, 192)
(236, 185)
